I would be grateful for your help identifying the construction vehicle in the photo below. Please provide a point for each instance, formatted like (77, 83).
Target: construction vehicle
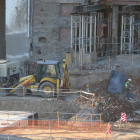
(46, 79)
(9, 72)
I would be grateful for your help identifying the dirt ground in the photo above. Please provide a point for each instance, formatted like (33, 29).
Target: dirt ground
(117, 134)
(46, 108)
(97, 76)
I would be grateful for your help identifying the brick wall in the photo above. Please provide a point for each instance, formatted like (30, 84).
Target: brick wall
(51, 22)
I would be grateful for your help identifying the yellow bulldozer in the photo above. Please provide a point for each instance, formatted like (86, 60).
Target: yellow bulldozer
(45, 81)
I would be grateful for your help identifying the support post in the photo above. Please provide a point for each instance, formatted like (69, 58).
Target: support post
(86, 35)
(115, 23)
(57, 86)
(53, 93)
(130, 39)
(76, 117)
(120, 125)
(58, 117)
(92, 101)
(91, 119)
(122, 36)
(132, 59)
(109, 59)
(94, 34)
(33, 118)
(82, 36)
(50, 130)
(71, 31)
(81, 95)
(7, 120)
(100, 118)
(80, 39)
(90, 47)
(23, 93)
(75, 36)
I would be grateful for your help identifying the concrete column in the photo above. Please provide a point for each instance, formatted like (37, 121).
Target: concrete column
(2, 30)
(115, 21)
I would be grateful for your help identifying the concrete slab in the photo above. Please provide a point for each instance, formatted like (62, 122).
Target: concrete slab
(9, 118)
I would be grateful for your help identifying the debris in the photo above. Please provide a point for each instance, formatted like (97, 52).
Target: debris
(89, 72)
(101, 80)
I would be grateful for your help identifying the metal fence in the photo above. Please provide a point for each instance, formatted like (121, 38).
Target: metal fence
(55, 128)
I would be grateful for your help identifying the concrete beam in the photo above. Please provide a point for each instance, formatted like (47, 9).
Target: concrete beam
(122, 2)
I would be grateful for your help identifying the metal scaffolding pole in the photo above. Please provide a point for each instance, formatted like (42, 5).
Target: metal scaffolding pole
(122, 36)
(124, 30)
(71, 32)
(86, 23)
(82, 35)
(94, 33)
(80, 38)
(84, 41)
(130, 39)
(132, 32)
(90, 34)
(75, 42)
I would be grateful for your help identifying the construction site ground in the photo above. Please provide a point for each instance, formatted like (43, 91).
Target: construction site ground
(97, 76)
(42, 106)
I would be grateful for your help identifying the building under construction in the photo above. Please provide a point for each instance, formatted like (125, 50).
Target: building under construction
(105, 28)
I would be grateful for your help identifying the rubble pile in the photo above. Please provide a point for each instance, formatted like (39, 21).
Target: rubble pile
(136, 105)
(111, 107)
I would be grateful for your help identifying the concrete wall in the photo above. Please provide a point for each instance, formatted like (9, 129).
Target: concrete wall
(51, 28)
(2, 30)
(17, 42)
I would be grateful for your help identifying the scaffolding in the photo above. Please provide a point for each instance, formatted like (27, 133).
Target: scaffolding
(130, 33)
(90, 32)
(83, 35)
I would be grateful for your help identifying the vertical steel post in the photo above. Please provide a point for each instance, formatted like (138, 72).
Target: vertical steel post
(95, 33)
(58, 84)
(100, 118)
(130, 39)
(124, 30)
(133, 18)
(71, 31)
(79, 38)
(75, 42)
(58, 117)
(82, 36)
(90, 33)
(86, 23)
(122, 36)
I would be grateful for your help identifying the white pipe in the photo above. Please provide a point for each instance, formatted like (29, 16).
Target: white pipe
(29, 18)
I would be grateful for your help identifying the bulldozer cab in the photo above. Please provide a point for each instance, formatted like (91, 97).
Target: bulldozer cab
(48, 69)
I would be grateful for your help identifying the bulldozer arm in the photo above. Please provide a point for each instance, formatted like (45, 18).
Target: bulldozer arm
(25, 81)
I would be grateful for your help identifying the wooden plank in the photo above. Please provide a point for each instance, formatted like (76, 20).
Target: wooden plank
(88, 93)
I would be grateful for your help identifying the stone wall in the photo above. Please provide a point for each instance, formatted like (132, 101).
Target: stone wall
(51, 29)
